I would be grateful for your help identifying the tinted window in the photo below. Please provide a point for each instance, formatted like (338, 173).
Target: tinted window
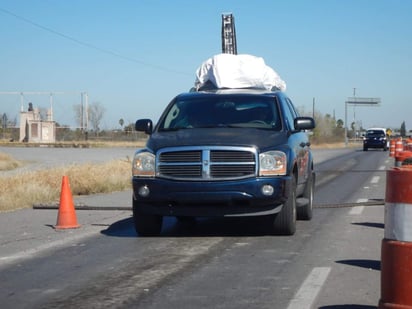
(372, 133)
(222, 111)
(290, 114)
(292, 108)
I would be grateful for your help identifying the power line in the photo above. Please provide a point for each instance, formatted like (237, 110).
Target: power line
(91, 46)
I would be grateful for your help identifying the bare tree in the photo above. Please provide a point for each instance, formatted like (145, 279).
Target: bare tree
(96, 112)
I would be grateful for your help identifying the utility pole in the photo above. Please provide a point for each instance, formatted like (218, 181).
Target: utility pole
(313, 108)
(85, 114)
(81, 112)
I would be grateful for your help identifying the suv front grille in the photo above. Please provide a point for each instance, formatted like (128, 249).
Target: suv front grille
(206, 163)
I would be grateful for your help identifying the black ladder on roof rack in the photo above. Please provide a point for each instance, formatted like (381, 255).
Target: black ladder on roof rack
(228, 34)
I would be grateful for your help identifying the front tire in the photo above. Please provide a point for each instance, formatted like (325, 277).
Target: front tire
(285, 221)
(145, 224)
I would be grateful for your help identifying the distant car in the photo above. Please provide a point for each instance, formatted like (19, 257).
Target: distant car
(375, 138)
(223, 152)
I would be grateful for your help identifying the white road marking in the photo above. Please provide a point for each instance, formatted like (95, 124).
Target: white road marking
(383, 167)
(375, 179)
(310, 288)
(357, 210)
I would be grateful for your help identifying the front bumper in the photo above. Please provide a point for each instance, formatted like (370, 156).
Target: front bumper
(201, 199)
(375, 143)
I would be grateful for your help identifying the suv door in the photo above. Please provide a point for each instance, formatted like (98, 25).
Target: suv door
(301, 144)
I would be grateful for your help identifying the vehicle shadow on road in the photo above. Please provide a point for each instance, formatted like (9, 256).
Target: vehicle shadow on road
(349, 306)
(370, 224)
(122, 228)
(369, 264)
(201, 227)
(218, 227)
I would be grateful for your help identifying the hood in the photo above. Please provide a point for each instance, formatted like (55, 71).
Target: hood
(261, 139)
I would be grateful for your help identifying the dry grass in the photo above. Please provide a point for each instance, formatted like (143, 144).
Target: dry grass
(7, 163)
(44, 186)
(25, 189)
(335, 145)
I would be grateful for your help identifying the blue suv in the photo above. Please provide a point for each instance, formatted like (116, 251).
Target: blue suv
(225, 152)
(375, 138)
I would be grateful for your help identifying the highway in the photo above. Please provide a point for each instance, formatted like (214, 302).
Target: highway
(333, 261)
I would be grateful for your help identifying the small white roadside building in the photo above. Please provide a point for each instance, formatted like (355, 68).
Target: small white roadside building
(33, 129)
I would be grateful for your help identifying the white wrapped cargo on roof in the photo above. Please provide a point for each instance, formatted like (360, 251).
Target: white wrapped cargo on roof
(238, 71)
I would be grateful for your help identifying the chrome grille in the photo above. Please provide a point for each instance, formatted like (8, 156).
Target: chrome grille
(206, 163)
(230, 155)
(231, 170)
(180, 171)
(181, 156)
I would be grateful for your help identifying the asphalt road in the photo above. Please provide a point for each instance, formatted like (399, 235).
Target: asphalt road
(332, 261)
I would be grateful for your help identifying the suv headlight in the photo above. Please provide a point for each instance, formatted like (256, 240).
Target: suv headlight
(272, 163)
(143, 164)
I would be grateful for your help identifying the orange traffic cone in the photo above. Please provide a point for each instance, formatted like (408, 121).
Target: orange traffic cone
(66, 218)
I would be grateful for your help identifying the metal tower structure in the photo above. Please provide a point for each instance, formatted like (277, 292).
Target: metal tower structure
(228, 34)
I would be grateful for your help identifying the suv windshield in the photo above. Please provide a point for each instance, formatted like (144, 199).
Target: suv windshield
(222, 111)
(375, 133)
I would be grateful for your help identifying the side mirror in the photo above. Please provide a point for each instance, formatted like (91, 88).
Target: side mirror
(304, 123)
(144, 125)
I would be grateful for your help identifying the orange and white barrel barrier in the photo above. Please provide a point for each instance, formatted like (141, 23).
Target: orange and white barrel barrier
(403, 158)
(396, 251)
(392, 147)
(408, 144)
(398, 145)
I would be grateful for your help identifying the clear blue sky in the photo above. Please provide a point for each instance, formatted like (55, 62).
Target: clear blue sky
(133, 56)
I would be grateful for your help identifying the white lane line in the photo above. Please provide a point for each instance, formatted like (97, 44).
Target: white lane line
(310, 288)
(357, 210)
(383, 167)
(375, 179)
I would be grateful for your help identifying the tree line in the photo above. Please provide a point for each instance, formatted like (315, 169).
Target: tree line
(328, 129)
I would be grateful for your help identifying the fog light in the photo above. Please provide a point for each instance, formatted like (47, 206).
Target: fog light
(144, 191)
(267, 190)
